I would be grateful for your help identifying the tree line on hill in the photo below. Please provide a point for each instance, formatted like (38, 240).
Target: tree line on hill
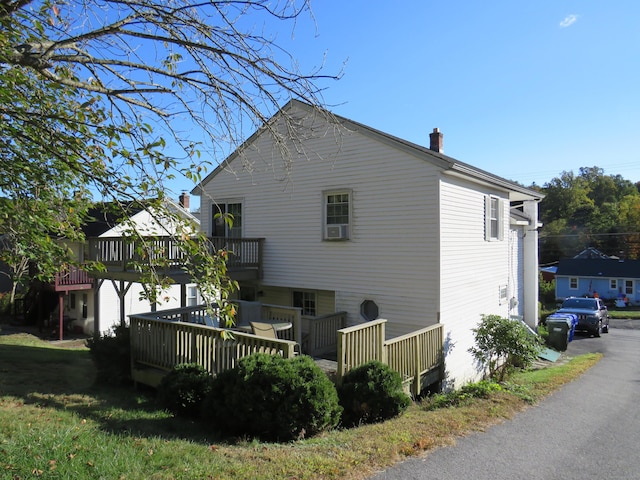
(589, 209)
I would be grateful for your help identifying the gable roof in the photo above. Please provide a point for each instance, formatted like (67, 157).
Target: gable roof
(591, 252)
(448, 164)
(599, 267)
(103, 217)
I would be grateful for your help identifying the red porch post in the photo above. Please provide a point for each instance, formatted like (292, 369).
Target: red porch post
(61, 308)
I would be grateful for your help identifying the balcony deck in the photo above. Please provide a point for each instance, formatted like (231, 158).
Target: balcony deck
(121, 256)
(70, 279)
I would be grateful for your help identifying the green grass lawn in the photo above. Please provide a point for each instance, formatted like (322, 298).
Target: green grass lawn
(56, 424)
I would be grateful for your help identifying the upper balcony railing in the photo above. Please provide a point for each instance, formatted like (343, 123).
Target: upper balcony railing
(72, 278)
(123, 255)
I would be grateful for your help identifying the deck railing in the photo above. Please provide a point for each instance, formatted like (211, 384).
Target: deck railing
(123, 253)
(416, 356)
(70, 276)
(320, 337)
(162, 340)
(244, 253)
(160, 345)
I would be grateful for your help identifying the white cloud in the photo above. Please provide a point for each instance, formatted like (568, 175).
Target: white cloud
(568, 21)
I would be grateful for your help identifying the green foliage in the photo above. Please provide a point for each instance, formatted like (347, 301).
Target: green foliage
(81, 123)
(272, 398)
(456, 398)
(502, 344)
(371, 393)
(576, 207)
(183, 390)
(547, 291)
(111, 355)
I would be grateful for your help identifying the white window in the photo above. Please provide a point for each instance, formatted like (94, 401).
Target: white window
(573, 283)
(613, 284)
(494, 216)
(628, 287)
(306, 301)
(337, 215)
(226, 220)
(192, 296)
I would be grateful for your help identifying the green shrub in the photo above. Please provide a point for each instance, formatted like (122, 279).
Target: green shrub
(482, 389)
(111, 354)
(546, 291)
(183, 390)
(503, 344)
(272, 398)
(371, 393)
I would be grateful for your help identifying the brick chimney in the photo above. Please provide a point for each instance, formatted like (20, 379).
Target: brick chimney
(435, 143)
(184, 200)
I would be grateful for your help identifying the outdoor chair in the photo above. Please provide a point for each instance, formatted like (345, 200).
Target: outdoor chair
(267, 330)
(263, 330)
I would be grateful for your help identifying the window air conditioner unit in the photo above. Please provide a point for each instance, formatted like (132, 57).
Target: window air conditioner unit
(336, 232)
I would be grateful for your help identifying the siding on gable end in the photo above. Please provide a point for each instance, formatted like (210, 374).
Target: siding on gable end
(472, 271)
(392, 255)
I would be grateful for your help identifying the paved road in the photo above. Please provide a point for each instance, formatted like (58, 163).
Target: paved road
(590, 429)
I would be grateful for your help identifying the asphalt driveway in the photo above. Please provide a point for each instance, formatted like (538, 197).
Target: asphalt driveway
(588, 429)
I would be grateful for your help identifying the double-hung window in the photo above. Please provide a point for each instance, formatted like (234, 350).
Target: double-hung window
(494, 218)
(337, 215)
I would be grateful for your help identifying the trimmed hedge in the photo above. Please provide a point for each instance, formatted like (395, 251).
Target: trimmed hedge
(371, 393)
(183, 390)
(272, 398)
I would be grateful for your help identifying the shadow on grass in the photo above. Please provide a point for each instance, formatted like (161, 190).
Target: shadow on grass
(65, 379)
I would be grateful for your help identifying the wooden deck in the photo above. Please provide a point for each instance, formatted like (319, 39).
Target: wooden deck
(162, 340)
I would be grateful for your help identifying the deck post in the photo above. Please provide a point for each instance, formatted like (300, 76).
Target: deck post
(61, 314)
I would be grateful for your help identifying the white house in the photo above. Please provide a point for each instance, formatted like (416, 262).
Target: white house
(117, 297)
(357, 220)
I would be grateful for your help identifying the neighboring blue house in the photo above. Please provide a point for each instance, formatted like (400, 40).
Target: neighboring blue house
(609, 277)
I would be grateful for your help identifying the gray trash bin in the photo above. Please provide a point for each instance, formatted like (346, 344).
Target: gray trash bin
(559, 330)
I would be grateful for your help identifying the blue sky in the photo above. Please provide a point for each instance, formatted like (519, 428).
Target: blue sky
(524, 90)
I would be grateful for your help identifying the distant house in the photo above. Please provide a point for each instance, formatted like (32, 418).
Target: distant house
(378, 227)
(94, 303)
(592, 272)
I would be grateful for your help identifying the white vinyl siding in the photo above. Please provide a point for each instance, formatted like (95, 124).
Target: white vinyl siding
(473, 270)
(418, 236)
(383, 259)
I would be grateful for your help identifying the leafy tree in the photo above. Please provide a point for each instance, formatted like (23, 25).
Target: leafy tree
(589, 209)
(99, 99)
